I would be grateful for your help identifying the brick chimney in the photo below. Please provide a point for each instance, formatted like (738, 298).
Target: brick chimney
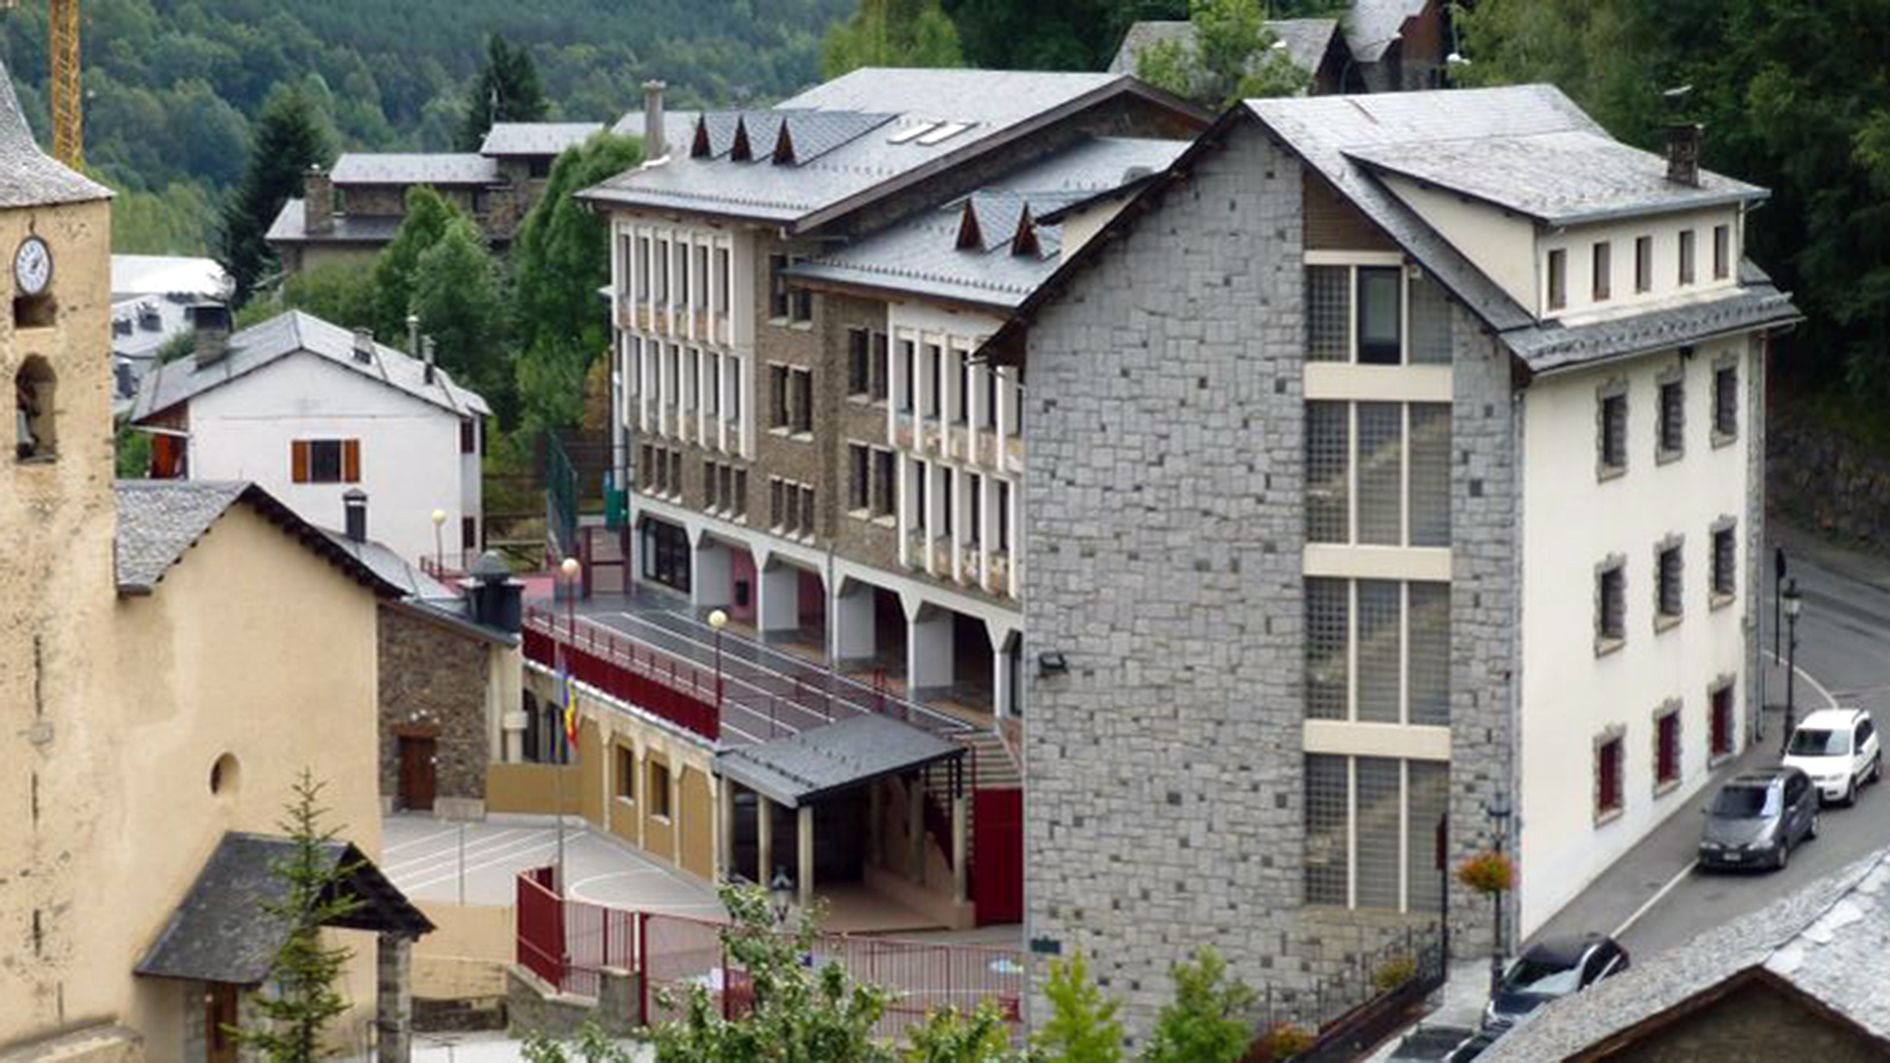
(318, 198)
(655, 145)
(1683, 153)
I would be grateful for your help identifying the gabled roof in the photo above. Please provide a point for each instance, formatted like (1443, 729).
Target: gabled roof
(1373, 25)
(291, 227)
(1568, 177)
(859, 138)
(297, 332)
(28, 176)
(1827, 942)
(225, 931)
(1306, 40)
(1326, 132)
(536, 138)
(921, 255)
(160, 520)
(134, 275)
(381, 168)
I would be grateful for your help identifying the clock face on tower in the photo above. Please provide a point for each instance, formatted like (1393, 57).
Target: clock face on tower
(32, 266)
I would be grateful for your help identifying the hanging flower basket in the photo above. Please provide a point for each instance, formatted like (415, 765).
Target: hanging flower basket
(1488, 872)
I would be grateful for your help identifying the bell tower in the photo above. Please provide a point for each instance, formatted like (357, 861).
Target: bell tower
(57, 520)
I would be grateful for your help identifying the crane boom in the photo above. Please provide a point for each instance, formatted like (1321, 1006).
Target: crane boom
(68, 108)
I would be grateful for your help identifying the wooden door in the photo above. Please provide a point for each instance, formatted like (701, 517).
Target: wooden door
(997, 855)
(416, 773)
(219, 1013)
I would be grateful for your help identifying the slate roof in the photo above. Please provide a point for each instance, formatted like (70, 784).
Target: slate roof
(387, 168)
(678, 127)
(160, 520)
(843, 133)
(296, 332)
(223, 930)
(391, 568)
(291, 226)
(812, 764)
(1561, 178)
(28, 176)
(1373, 25)
(168, 274)
(1827, 941)
(536, 138)
(921, 256)
(1306, 40)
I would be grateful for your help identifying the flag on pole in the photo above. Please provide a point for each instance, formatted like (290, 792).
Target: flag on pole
(570, 707)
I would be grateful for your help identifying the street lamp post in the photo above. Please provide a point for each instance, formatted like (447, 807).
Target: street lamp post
(717, 621)
(1793, 606)
(1499, 812)
(569, 569)
(439, 543)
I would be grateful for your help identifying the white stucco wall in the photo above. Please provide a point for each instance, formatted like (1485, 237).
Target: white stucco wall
(1570, 524)
(410, 458)
(1501, 244)
(1579, 242)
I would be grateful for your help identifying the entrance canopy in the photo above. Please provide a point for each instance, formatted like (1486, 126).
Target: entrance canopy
(224, 930)
(816, 763)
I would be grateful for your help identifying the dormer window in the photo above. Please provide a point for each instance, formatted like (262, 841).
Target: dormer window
(1686, 256)
(1643, 263)
(1722, 251)
(1604, 270)
(1558, 279)
(33, 388)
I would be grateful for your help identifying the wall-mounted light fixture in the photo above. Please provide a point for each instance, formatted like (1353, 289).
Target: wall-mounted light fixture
(1052, 662)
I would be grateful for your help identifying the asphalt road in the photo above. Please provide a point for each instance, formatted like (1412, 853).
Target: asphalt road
(1843, 655)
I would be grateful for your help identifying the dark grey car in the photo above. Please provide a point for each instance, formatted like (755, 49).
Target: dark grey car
(1757, 818)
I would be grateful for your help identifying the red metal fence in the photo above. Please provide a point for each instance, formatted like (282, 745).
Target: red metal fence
(672, 953)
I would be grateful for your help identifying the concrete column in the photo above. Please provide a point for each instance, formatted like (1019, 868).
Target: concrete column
(724, 827)
(804, 856)
(643, 792)
(711, 584)
(780, 601)
(929, 650)
(676, 813)
(1016, 541)
(1004, 413)
(960, 851)
(764, 839)
(987, 527)
(394, 999)
(855, 637)
(934, 514)
(915, 828)
(902, 496)
(1000, 670)
(961, 518)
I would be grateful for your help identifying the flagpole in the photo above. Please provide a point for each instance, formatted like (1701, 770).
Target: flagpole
(570, 568)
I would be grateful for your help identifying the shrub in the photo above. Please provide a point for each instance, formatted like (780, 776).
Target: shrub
(1283, 1041)
(1393, 973)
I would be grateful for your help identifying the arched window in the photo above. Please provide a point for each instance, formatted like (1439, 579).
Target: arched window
(33, 386)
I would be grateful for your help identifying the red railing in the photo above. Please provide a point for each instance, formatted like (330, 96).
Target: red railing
(654, 682)
(671, 953)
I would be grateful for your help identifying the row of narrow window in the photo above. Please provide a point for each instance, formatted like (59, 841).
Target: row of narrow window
(1601, 260)
(1670, 425)
(1611, 600)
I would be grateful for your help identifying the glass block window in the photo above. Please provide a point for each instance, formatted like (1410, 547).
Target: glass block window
(1380, 650)
(1427, 632)
(1430, 474)
(1427, 797)
(1328, 842)
(1379, 819)
(1328, 624)
(1328, 313)
(1430, 322)
(1381, 473)
(1328, 472)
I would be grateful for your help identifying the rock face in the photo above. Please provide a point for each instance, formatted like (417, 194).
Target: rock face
(1817, 478)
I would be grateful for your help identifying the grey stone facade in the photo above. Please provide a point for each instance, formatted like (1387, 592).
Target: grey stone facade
(1165, 523)
(433, 684)
(1164, 526)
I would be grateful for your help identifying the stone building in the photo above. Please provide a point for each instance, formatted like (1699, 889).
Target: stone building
(157, 690)
(1320, 424)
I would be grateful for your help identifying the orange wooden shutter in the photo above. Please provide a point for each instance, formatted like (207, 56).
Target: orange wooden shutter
(298, 461)
(351, 461)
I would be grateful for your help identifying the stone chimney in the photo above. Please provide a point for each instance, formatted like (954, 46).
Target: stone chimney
(354, 514)
(211, 322)
(655, 146)
(426, 354)
(364, 346)
(495, 599)
(318, 198)
(1683, 153)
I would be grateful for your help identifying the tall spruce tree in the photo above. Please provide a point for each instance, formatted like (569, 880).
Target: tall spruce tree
(305, 996)
(506, 90)
(288, 140)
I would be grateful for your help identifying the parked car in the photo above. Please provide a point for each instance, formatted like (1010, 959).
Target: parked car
(1839, 749)
(1757, 817)
(1430, 1044)
(1549, 970)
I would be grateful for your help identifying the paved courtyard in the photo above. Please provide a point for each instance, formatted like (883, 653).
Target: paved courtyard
(477, 863)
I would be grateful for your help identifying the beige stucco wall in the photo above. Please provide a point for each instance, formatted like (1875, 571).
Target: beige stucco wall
(467, 953)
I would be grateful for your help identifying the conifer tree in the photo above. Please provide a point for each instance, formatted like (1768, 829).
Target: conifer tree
(288, 140)
(1083, 1027)
(506, 90)
(1206, 1021)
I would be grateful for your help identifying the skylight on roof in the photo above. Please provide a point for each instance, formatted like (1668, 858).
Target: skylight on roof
(944, 131)
(904, 135)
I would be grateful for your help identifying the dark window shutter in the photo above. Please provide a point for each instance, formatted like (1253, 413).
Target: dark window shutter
(351, 461)
(298, 461)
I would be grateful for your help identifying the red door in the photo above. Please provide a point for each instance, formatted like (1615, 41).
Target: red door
(997, 855)
(219, 1008)
(416, 773)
